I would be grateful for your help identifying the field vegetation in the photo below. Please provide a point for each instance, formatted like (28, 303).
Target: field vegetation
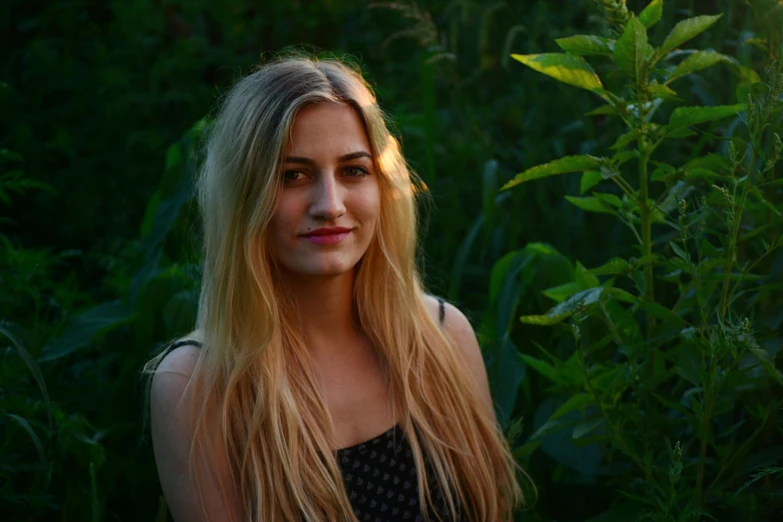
(605, 203)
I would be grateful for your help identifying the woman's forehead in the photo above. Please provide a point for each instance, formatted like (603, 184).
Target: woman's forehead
(328, 127)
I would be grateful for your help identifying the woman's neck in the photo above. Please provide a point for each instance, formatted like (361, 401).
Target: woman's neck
(326, 311)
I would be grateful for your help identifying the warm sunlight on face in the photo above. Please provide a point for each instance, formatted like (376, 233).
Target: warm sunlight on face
(330, 201)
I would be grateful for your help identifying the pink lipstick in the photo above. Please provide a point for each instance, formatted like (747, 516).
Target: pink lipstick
(327, 235)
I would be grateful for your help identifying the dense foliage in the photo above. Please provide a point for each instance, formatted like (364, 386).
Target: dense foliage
(633, 223)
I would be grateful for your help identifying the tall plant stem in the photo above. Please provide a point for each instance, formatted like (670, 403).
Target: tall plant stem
(646, 225)
(649, 292)
(734, 233)
(705, 433)
(616, 434)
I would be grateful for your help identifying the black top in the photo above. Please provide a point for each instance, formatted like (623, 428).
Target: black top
(380, 474)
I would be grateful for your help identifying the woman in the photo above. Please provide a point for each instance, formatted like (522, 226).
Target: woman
(314, 334)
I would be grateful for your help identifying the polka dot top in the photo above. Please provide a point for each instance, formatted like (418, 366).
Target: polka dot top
(380, 475)
(380, 478)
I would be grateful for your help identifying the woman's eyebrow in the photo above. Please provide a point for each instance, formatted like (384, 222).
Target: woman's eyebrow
(346, 157)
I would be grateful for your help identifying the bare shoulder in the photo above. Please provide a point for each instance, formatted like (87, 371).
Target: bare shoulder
(173, 429)
(455, 323)
(459, 330)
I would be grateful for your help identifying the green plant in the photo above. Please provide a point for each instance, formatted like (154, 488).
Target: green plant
(675, 341)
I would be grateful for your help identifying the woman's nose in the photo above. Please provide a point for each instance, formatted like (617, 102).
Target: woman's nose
(327, 202)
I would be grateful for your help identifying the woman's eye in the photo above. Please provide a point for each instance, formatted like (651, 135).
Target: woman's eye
(356, 172)
(292, 175)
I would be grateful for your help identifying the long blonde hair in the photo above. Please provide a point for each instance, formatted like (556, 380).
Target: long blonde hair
(254, 373)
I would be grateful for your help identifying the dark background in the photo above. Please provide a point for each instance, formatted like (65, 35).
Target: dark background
(98, 261)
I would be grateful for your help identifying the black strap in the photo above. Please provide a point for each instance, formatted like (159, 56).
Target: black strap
(441, 310)
(184, 342)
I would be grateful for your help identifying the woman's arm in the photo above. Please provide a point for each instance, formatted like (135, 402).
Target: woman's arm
(461, 332)
(172, 433)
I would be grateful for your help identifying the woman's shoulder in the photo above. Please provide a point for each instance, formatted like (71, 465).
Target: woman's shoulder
(181, 355)
(458, 328)
(453, 320)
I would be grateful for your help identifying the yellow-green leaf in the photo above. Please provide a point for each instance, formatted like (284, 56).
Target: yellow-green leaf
(652, 13)
(663, 92)
(559, 166)
(566, 68)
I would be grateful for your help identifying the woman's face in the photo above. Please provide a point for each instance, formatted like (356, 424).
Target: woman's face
(330, 201)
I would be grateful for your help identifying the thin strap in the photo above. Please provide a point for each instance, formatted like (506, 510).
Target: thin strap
(184, 342)
(441, 310)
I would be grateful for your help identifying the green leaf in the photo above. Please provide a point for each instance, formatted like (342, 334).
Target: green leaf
(632, 51)
(609, 199)
(651, 14)
(575, 402)
(585, 45)
(85, 327)
(173, 156)
(559, 166)
(489, 193)
(511, 372)
(590, 179)
(683, 117)
(29, 429)
(33, 367)
(12, 157)
(586, 426)
(566, 68)
(619, 158)
(591, 204)
(680, 252)
(149, 214)
(564, 310)
(462, 256)
(626, 139)
(663, 92)
(695, 62)
(562, 292)
(616, 265)
(768, 363)
(653, 308)
(542, 367)
(685, 30)
(604, 110)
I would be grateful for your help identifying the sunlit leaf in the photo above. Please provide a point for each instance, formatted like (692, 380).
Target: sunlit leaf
(651, 14)
(566, 68)
(662, 91)
(558, 166)
(564, 310)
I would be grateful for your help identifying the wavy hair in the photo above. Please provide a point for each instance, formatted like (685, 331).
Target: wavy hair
(254, 376)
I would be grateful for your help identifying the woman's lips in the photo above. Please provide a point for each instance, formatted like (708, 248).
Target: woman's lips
(327, 239)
